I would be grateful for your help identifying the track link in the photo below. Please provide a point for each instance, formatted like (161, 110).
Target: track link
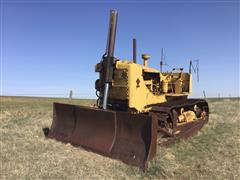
(169, 130)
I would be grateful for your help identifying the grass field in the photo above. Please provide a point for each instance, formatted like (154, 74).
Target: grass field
(214, 153)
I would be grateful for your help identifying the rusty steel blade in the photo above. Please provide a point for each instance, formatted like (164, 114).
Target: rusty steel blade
(94, 128)
(136, 138)
(132, 138)
(63, 122)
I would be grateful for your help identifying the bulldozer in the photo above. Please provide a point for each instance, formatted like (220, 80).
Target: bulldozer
(137, 109)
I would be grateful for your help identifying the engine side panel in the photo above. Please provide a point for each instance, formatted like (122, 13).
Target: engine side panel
(137, 87)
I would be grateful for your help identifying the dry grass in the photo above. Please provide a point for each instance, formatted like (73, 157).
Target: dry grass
(26, 154)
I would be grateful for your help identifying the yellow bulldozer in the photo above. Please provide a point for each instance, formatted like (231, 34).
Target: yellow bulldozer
(137, 108)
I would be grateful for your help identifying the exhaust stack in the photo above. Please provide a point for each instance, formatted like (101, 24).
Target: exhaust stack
(134, 50)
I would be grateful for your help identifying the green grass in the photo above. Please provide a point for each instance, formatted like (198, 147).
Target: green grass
(213, 153)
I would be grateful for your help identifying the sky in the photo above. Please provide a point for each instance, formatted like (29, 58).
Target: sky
(51, 47)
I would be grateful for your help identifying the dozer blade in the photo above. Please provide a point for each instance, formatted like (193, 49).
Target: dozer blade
(129, 137)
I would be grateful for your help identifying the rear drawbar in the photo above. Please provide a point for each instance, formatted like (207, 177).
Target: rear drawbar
(131, 138)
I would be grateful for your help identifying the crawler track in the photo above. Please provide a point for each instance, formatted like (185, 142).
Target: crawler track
(166, 113)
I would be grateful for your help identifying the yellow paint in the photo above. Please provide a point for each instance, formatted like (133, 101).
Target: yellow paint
(129, 84)
(187, 116)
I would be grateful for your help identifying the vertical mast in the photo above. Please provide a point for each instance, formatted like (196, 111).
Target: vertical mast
(108, 61)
